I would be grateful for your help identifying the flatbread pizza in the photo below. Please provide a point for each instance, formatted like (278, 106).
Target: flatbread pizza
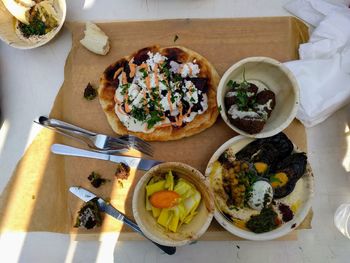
(160, 94)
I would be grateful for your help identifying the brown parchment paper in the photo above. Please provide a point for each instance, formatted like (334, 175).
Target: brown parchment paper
(37, 197)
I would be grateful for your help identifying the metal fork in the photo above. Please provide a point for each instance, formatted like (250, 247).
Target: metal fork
(100, 142)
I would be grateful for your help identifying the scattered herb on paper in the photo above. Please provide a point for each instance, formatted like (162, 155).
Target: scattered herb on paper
(176, 37)
(96, 180)
(122, 171)
(89, 216)
(90, 93)
(120, 183)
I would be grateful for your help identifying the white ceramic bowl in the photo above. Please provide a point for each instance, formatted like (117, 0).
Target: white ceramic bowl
(9, 36)
(237, 143)
(273, 75)
(187, 233)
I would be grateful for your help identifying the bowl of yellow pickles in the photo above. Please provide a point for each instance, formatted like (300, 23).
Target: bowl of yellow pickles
(173, 204)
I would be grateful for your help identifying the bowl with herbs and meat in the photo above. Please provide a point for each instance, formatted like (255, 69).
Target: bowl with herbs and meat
(30, 24)
(258, 97)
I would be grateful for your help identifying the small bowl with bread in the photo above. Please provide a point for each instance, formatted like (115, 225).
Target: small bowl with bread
(258, 97)
(27, 24)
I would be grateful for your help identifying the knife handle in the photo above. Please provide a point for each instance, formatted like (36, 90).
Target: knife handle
(133, 225)
(72, 151)
(110, 210)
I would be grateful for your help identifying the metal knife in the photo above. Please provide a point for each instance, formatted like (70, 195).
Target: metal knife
(142, 164)
(87, 196)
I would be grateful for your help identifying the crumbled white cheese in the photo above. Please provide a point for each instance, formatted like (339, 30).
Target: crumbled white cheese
(191, 92)
(174, 67)
(186, 70)
(162, 86)
(190, 117)
(154, 59)
(189, 70)
(204, 104)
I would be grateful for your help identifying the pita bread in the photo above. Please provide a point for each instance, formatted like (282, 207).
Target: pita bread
(109, 83)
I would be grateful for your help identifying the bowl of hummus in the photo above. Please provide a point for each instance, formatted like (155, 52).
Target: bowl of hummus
(262, 187)
(27, 24)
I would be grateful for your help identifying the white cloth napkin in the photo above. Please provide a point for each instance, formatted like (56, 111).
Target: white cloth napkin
(323, 71)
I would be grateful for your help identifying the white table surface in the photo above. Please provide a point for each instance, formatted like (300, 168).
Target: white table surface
(29, 82)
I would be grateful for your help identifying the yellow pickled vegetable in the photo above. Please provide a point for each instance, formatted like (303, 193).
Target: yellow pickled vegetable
(169, 181)
(155, 211)
(182, 211)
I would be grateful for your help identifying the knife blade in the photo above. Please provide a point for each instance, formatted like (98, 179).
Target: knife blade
(87, 196)
(142, 164)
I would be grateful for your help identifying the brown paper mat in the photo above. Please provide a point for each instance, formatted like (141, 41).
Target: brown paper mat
(37, 199)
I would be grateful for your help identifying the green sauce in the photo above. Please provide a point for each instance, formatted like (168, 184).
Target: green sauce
(264, 222)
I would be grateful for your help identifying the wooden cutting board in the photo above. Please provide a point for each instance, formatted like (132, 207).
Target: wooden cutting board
(47, 177)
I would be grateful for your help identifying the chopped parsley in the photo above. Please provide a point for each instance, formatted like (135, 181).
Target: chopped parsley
(155, 117)
(138, 114)
(96, 180)
(36, 27)
(144, 73)
(177, 78)
(90, 93)
(125, 88)
(165, 70)
(232, 84)
(176, 37)
(244, 102)
(220, 108)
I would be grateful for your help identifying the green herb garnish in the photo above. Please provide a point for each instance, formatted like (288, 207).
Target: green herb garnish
(154, 119)
(144, 73)
(96, 180)
(232, 84)
(264, 222)
(36, 27)
(176, 37)
(138, 114)
(125, 88)
(220, 108)
(90, 93)
(244, 103)
(177, 78)
(274, 179)
(89, 216)
(165, 70)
